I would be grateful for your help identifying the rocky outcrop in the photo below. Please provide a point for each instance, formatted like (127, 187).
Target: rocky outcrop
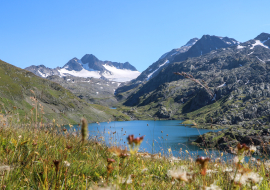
(227, 139)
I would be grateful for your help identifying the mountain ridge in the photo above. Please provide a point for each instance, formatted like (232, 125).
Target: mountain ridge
(90, 66)
(237, 73)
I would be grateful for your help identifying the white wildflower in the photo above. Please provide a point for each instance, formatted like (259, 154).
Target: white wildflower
(211, 171)
(267, 164)
(254, 177)
(174, 159)
(144, 170)
(127, 181)
(238, 178)
(212, 187)
(228, 169)
(178, 173)
(253, 159)
(66, 163)
(236, 160)
(252, 149)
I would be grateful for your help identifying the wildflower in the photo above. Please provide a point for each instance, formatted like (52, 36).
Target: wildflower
(134, 143)
(66, 163)
(253, 159)
(138, 140)
(144, 170)
(237, 159)
(56, 164)
(68, 147)
(252, 149)
(118, 152)
(127, 181)
(267, 164)
(211, 171)
(238, 178)
(130, 139)
(174, 159)
(212, 187)
(227, 169)
(241, 148)
(203, 161)
(254, 177)
(178, 173)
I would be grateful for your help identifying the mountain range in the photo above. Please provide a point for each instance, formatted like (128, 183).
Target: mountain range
(232, 71)
(89, 66)
(236, 73)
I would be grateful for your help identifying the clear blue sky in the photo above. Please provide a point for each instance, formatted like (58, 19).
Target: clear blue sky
(51, 32)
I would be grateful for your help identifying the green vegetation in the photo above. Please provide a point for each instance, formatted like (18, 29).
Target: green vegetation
(38, 156)
(189, 122)
(21, 91)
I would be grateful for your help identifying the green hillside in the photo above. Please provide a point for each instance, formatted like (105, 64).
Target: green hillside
(22, 93)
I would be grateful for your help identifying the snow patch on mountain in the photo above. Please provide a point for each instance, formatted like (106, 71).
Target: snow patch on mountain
(120, 75)
(82, 73)
(151, 74)
(224, 84)
(240, 47)
(258, 43)
(43, 75)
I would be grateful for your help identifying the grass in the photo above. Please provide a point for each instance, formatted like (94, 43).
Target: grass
(39, 156)
(188, 122)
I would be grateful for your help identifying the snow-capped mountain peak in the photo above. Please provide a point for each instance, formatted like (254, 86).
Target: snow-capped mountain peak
(90, 66)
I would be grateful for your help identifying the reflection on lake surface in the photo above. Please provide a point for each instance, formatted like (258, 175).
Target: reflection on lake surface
(159, 136)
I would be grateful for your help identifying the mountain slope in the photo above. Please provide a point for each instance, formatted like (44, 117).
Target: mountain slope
(18, 87)
(90, 66)
(194, 48)
(237, 76)
(94, 91)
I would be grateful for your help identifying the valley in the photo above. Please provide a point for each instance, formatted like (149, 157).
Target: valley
(228, 86)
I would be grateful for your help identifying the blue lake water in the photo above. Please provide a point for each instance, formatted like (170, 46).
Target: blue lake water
(159, 136)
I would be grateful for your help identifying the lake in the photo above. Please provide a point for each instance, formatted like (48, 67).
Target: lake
(159, 136)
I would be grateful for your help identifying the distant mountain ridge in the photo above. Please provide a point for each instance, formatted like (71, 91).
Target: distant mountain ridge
(237, 75)
(89, 66)
(193, 48)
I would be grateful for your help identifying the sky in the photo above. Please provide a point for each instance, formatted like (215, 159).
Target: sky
(50, 32)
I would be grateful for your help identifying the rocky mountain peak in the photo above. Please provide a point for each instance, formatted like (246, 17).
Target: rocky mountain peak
(263, 37)
(90, 66)
(73, 64)
(89, 58)
(192, 41)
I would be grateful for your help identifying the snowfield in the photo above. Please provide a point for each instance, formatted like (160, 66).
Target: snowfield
(120, 75)
(82, 73)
